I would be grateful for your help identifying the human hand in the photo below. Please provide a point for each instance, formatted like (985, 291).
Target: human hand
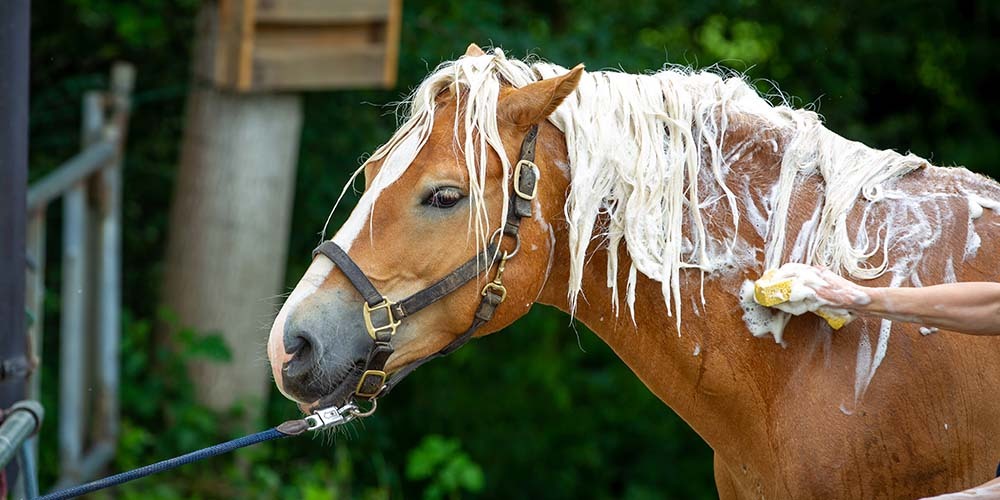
(838, 291)
(830, 289)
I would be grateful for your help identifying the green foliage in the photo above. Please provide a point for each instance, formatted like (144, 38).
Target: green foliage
(449, 470)
(134, 23)
(746, 42)
(543, 409)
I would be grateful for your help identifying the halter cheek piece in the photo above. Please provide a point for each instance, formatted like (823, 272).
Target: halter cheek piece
(382, 316)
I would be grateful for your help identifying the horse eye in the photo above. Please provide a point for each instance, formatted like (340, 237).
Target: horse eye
(445, 197)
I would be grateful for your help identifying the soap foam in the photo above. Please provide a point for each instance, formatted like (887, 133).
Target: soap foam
(760, 320)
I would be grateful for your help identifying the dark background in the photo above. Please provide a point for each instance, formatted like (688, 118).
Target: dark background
(543, 409)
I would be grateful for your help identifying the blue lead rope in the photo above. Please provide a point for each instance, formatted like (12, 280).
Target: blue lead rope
(289, 428)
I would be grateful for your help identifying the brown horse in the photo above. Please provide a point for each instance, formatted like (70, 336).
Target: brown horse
(658, 198)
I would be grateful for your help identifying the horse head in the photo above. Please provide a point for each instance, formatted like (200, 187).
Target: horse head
(433, 211)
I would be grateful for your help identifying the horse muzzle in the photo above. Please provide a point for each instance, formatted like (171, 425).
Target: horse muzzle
(325, 354)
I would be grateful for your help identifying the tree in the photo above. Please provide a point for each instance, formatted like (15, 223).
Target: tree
(229, 226)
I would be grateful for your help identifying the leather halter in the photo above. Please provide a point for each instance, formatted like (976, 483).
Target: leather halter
(382, 316)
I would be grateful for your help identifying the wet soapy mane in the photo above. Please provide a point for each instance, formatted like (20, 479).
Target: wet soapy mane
(639, 145)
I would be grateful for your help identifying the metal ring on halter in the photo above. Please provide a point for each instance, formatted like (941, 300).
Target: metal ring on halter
(356, 411)
(517, 243)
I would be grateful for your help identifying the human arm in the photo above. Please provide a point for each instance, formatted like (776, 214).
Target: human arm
(986, 491)
(972, 307)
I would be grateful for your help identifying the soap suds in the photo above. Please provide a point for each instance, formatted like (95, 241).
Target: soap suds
(758, 220)
(805, 236)
(884, 331)
(978, 203)
(927, 330)
(949, 271)
(867, 371)
(975, 209)
(760, 320)
(972, 242)
(861, 365)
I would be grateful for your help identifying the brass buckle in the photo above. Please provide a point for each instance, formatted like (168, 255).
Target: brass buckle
(497, 287)
(517, 180)
(392, 323)
(371, 373)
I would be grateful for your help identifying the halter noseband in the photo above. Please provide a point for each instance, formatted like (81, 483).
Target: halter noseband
(382, 316)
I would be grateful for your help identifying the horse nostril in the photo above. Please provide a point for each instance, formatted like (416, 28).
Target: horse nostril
(306, 352)
(300, 342)
(295, 344)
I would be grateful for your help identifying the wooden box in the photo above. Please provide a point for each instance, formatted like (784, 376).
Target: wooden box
(289, 45)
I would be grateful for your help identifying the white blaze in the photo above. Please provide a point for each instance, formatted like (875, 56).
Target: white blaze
(392, 169)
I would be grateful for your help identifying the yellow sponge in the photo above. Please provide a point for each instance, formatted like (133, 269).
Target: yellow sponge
(835, 320)
(770, 294)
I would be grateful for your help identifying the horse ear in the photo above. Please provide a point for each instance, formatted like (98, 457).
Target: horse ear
(474, 51)
(533, 103)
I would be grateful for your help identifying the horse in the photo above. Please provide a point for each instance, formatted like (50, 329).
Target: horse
(645, 206)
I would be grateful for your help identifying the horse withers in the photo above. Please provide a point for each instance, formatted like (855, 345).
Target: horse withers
(659, 197)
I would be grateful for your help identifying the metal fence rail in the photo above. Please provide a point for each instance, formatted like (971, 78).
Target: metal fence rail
(90, 315)
(20, 422)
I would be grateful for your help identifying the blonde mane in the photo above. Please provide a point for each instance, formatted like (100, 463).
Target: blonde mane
(640, 147)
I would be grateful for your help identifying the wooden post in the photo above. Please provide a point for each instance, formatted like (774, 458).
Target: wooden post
(229, 229)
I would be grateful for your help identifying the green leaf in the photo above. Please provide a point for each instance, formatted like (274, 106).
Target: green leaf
(212, 347)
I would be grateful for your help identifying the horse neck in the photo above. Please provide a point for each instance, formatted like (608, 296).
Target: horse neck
(706, 372)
